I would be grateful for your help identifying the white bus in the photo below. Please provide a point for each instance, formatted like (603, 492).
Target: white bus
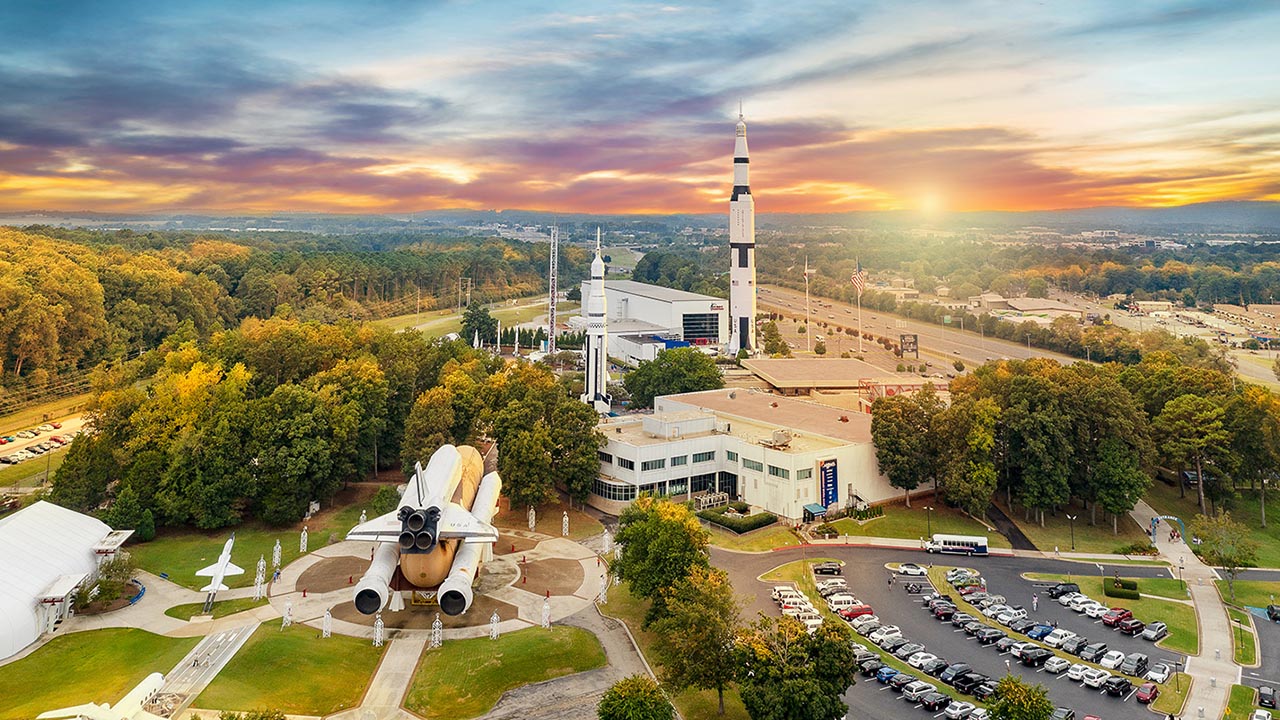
(957, 544)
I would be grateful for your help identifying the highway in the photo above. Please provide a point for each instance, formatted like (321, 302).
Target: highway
(936, 342)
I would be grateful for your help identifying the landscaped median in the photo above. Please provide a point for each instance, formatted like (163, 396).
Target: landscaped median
(221, 608)
(1158, 602)
(913, 523)
(1241, 703)
(1242, 638)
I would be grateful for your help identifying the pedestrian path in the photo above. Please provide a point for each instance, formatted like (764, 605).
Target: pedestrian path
(390, 683)
(194, 672)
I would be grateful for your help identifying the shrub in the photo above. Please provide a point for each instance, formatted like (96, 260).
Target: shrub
(1142, 547)
(1110, 590)
(826, 529)
(738, 524)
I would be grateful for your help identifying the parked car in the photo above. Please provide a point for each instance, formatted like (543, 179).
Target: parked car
(1035, 657)
(887, 631)
(870, 667)
(1160, 672)
(971, 590)
(1017, 648)
(973, 627)
(861, 622)
(959, 710)
(1010, 615)
(1080, 601)
(1005, 643)
(916, 690)
(911, 569)
(1063, 588)
(1039, 632)
(891, 644)
(1111, 659)
(1065, 599)
(920, 659)
(907, 650)
(935, 701)
(934, 668)
(827, 568)
(1059, 636)
(1148, 692)
(1096, 610)
(46, 428)
(1135, 664)
(944, 612)
(865, 629)
(1075, 645)
(1117, 686)
(1056, 665)
(1273, 613)
(994, 610)
(954, 671)
(980, 714)
(1260, 715)
(959, 619)
(1267, 696)
(984, 691)
(857, 611)
(1155, 631)
(989, 635)
(1115, 616)
(1023, 625)
(885, 674)
(901, 680)
(1132, 626)
(1063, 713)
(1076, 672)
(1094, 678)
(967, 682)
(1094, 652)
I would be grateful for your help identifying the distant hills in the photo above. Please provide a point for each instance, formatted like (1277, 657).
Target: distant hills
(1208, 217)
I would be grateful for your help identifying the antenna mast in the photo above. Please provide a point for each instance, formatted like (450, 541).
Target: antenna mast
(551, 300)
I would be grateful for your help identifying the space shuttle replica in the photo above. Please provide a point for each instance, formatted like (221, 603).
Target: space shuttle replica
(742, 250)
(437, 539)
(596, 379)
(130, 706)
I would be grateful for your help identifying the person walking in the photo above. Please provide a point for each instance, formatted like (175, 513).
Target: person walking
(1035, 603)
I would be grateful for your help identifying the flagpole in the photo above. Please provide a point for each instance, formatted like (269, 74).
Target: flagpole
(859, 322)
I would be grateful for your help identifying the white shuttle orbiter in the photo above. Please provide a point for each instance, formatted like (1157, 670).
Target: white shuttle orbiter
(130, 706)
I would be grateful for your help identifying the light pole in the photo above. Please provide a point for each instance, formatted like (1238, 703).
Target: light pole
(1180, 580)
(1072, 518)
(929, 514)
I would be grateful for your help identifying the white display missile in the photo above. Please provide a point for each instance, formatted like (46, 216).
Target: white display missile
(220, 569)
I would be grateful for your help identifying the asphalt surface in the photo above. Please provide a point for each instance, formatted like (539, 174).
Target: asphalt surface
(1268, 670)
(867, 576)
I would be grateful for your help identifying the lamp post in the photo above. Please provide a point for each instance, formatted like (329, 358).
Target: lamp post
(1180, 580)
(929, 514)
(1072, 518)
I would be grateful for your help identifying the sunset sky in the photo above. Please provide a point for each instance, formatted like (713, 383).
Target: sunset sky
(389, 106)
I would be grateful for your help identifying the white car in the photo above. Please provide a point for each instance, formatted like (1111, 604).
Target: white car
(1076, 671)
(1057, 637)
(1056, 664)
(811, 623)
(836, 583)
(910, 569)
(1065, 599)
(1017, 648)
(1159, 673)
(957, 573)
(1009, 616)
(1095, 678)
(920, 659)
(979, 714)
(796, 611)
(861, 620)
(1080, 602)
(784, 591)
(1259, 714)
(995, 610)
(1112, 659)
(1096, 610)
(887, 631)
(960, 710)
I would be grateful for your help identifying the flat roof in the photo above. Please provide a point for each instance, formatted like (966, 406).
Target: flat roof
(793, 373)
(776, 411)
(657, 292)
(631, 326)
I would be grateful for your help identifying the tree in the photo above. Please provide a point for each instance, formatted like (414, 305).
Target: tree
(907, 450)
(476, 319)
(384, 500)
(1225, 543)
(694, 641)
(575, 446)
(429, 425)
(126, 512)
(81, 482)
(820, 347)
(1119, 478)
(785, 673)
(525, 462)
(1015, 699)
(1253, 419)
(662, 542)
(1191, 430)
(678, 370)
(574, 294)
(1037, 288)
(968, 431)
(635, 698)
(1275, 368)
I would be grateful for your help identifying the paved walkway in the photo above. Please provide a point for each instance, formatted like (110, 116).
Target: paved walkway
(1213, 671)
(390, 683)
(194, 672)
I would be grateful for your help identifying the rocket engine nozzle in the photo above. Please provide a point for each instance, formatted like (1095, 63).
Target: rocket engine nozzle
(420, 530)
(374, 588)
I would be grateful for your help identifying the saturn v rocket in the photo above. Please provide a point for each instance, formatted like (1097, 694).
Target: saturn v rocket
(742, 250)
(439, 536)
(595, 391)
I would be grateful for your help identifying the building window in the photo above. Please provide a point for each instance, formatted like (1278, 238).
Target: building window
(699, 483)
(783, 473)
(678, 487)
(704, 456)
(731, 455)
(679, 460)
(804, 473)
(604, 457)
(728, 483)
(626, 464)
(648, 465)
(701, 326)
(614, 491)
(752, 465)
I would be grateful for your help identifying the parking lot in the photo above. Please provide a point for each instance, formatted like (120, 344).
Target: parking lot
(867, 578)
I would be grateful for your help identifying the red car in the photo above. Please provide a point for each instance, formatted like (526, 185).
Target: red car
(856, 611)
(1115, 616)
(1148, 692)
(1132, 626)
(56, 425)
(973, 589)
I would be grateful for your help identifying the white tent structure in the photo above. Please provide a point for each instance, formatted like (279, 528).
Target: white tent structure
(46, 552)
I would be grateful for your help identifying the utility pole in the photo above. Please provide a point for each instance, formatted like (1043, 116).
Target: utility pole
(808, 329)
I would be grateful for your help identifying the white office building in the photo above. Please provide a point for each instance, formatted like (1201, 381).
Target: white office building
(772, 452)
(645, 319)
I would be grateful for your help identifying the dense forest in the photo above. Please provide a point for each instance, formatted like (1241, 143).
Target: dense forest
(72, 298)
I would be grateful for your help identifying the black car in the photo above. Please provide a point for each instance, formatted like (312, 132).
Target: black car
(894, 644)
(1267, 696)
(827, 568)
(1061, 589)
(984, 691)
(1036, 657)
(973, 626)
(1273, 613)
(1004, 643)
(967, 682)
(1117, 686)
(908, 650)
(935, 701)
(870, 667)
(861, 656)
(901, 680)
(1094, 652)
(1075, 645)
(959, 619)
(944, 612)
(934, 668)
(1023, 625)
(988, 635)
(934, 603)
(952, 672)
(1135, 664)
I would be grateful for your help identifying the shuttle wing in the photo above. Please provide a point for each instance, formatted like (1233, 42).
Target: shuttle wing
(88, 710)
(384, 528)
(458, 522)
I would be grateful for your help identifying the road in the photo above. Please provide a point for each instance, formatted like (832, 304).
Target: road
(69, 424)
(938, 343)
(866, 575)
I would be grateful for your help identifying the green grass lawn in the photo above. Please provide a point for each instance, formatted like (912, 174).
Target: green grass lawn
(1246, 645)
(1115, 560)
(550, 519)
(1181, 618)
(691, 703)
(221, 608)
(800, 572)
(1088, 538)
(465, 678)
(1240, 703)
(1245, 509)
(294, 671)
(1173, 695)
(180, 553)
(434, 323)
(99, 666)
(914, 523)
(31, 472)
(1254, 593)
(777, 535)
(37, 414)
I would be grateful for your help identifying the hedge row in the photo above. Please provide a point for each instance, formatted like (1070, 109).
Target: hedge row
(1128, 590)
(738, 524)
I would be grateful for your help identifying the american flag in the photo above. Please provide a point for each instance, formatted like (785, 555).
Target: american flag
(859, 279)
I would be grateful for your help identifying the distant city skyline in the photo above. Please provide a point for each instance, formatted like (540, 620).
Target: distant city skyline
(391, 106)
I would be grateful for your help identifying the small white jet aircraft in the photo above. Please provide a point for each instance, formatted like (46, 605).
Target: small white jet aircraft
(220, 569)
(129, 707)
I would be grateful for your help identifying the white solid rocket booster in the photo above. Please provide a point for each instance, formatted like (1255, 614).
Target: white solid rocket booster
(742, 250)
